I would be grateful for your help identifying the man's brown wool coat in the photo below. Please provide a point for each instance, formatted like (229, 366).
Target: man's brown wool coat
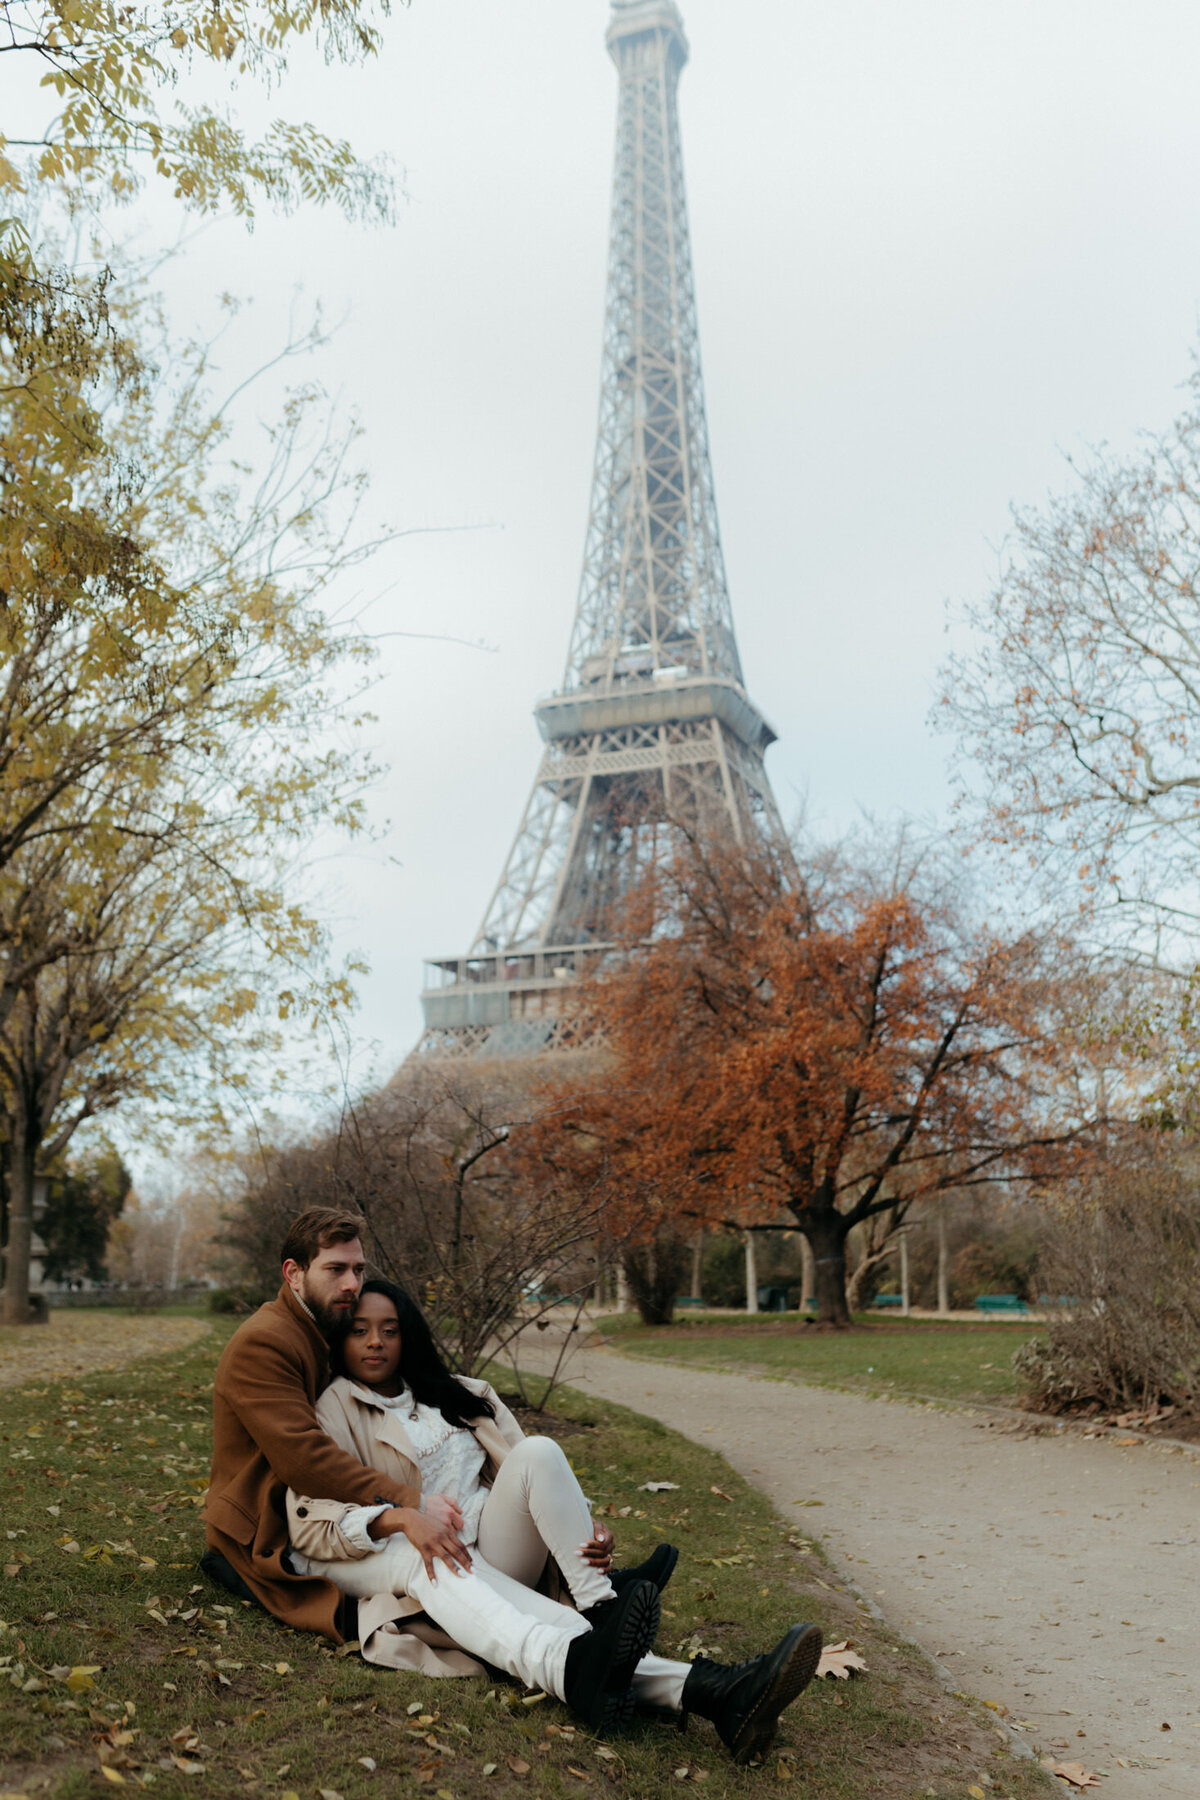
(266, 1439)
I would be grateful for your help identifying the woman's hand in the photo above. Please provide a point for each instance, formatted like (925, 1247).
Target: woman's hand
(440, 1509)
(598, 1551)
(434, 1540)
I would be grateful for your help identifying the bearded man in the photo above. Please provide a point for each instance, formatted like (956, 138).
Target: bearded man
(266, 1437)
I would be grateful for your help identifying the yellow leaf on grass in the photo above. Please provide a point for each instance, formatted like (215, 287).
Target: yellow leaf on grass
(111, 1774)
(839, 1661)
(976, 1792)
(282, 1668)
(80, 1678)
(329, 1794)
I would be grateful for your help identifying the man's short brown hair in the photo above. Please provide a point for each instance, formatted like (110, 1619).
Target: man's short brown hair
(316, 1229)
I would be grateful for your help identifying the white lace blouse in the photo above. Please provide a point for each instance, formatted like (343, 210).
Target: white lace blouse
(450, 1458)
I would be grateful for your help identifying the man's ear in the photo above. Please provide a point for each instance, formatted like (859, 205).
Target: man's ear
(293, 1274)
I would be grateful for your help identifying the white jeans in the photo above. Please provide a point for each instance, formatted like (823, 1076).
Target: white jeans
(535, 1508)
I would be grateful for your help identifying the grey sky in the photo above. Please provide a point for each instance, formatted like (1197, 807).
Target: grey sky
(937, 245)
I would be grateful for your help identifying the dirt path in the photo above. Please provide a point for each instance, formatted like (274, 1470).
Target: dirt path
(79, 1343)
(1055, 1576)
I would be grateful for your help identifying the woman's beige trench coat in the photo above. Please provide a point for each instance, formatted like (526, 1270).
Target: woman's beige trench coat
(356, 1420)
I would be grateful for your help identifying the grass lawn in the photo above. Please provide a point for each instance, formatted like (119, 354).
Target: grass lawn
(121, 1667)
(879, 1356)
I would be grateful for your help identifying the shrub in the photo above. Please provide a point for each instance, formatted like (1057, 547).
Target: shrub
(1124, 1253)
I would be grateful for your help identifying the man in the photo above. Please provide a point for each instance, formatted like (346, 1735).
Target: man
(266, 1437)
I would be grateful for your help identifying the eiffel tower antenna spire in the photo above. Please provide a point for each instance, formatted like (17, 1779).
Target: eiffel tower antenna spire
(652, 721)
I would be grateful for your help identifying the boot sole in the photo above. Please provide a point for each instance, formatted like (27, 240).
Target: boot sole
(639, 1628)
(796, 1670)
(612, 1707)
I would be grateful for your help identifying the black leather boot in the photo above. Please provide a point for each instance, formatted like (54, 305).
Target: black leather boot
(658, 1567)
(744, 1700)
(600, 1663)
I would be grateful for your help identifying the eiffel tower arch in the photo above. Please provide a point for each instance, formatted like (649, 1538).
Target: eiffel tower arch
(652, 721)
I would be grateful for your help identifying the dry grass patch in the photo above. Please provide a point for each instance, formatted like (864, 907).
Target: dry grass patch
(121, 1667)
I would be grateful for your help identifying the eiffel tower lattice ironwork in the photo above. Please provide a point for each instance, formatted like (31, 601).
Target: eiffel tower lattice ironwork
(652, 722)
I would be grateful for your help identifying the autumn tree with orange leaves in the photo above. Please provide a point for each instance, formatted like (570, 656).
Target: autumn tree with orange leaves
(814, 1044)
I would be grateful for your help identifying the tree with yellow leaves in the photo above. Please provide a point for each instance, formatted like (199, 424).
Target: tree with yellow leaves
(177, 721)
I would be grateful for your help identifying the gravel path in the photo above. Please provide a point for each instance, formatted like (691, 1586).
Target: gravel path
(1056, 1576)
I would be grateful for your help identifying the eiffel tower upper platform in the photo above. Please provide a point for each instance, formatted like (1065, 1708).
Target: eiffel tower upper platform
(652, 722)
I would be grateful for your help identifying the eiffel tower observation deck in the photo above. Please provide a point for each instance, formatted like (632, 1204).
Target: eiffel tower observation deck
(652, 722)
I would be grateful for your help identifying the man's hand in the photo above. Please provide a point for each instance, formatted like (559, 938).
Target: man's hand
(598, 1551)
(433, 1539)
(440, 1509)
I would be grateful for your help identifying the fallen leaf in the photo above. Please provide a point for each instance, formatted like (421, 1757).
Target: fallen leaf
(329, 1794)
(368, 1763)
(840, 1661)
(579, 1774)
(517, 1766)
(784, 1771)
(681, 1773)
(80, 1678)
(489, 1768)
(976, 1792)
(113, 1775)
(659, 1487)
(281, 1668)
(1073, 1772)
(608, 1755)
(721, 1494)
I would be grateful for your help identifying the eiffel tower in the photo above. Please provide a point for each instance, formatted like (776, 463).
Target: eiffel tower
(652, 722)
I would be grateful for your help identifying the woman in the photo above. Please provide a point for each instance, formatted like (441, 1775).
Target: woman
(508, 1513)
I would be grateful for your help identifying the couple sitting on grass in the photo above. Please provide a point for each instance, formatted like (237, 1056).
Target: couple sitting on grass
(415, 1497)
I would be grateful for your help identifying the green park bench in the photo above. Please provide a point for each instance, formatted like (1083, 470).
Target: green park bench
(692, 1300)
(888, 1300)
(1011, 1304)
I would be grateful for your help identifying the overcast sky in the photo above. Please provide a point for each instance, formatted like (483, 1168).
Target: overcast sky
(938, 247)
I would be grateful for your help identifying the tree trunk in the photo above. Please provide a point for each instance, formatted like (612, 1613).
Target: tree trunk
(698, 1267)
(808, 1274)
(751, 1273)
(622, 1285)
(655, 1270)
(905, 1309)
(827, 1236)
(17, 1310)
(943, 1272)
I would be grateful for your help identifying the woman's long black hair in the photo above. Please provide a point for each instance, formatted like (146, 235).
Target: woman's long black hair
(422, 1370)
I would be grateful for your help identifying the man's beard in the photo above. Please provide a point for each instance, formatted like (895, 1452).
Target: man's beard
(332, 1322)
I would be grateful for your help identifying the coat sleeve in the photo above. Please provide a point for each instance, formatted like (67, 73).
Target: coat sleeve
(315, 1526)
(266, 1391)
(315, 1529)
